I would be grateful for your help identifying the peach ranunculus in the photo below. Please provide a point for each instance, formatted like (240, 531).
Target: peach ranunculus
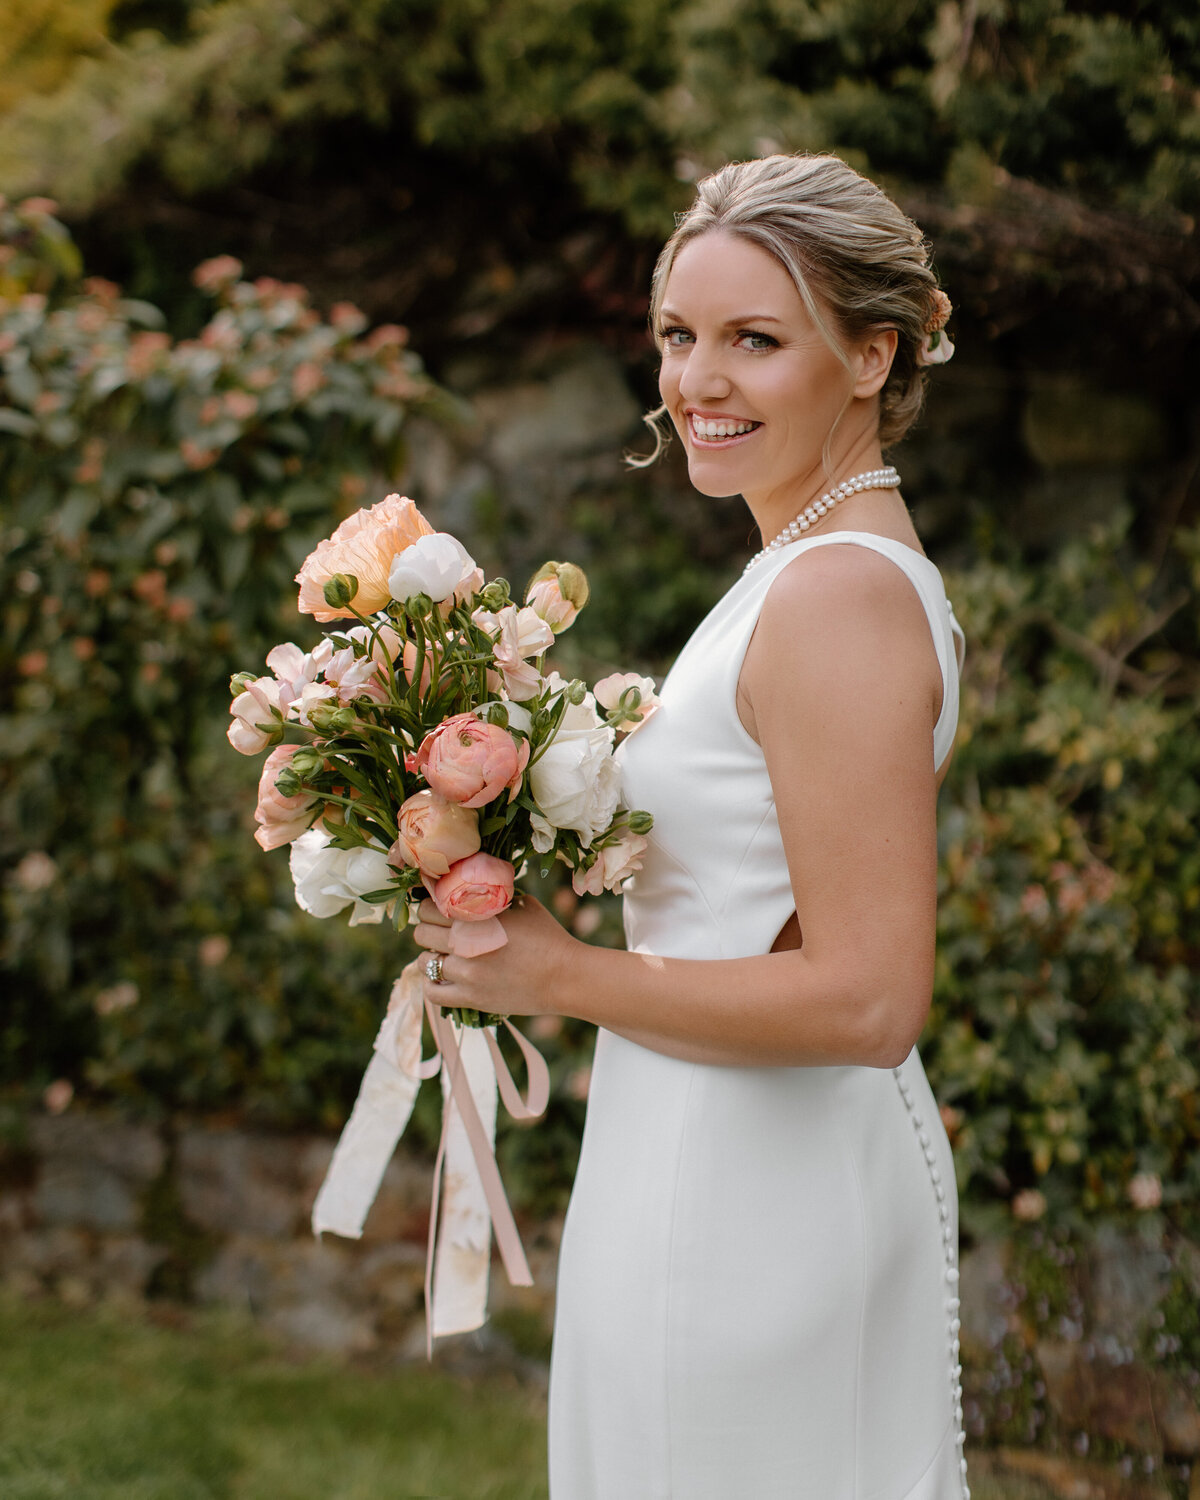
(557, 593)
(614, 865)
(475, 888)
(364, 545)
(434, 833)
(256, 705)
(517, 634)
(608, 692)
(280, 819)
(469, 761)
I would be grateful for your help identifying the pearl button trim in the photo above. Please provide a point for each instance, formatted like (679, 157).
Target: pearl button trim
(949, 1275)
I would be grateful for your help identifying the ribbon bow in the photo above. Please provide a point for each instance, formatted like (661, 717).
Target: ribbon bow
(472, 1201)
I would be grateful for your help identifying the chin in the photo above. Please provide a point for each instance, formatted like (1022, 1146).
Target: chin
(715, 486)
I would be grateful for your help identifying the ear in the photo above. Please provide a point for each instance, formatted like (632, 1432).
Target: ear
(876, 356)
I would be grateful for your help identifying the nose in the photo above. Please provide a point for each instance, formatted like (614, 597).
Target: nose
(704, 379)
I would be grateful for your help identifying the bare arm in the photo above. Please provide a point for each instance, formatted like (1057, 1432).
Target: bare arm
(842, 685)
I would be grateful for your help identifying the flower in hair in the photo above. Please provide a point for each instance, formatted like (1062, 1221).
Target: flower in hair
(940, 314)
(936, 347)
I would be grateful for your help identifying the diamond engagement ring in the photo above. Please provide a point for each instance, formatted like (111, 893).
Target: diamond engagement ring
(433, 968)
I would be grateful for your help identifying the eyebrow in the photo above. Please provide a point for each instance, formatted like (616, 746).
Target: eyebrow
(668, 312)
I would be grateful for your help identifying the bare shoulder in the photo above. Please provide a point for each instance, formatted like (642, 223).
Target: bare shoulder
(838, 621)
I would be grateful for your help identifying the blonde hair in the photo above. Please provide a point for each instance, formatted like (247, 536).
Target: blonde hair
(859, 264)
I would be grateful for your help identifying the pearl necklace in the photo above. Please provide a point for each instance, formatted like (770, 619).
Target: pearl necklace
(874, 479)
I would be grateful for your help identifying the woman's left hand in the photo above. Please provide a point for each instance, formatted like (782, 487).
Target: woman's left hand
(525, 977)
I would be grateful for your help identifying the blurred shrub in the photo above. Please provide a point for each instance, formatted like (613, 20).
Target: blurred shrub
(633, 98)
(158, 495)
(1065, 1032)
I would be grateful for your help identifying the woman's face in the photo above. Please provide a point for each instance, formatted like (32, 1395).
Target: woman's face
(750, 382)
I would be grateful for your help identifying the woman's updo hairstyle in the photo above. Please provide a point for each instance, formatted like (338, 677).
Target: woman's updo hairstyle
(853, 255)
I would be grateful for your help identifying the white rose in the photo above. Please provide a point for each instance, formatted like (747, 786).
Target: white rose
(327, 879)
(576, 783)
(435, 565)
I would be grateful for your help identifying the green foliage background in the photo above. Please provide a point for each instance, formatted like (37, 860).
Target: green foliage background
(499, 176)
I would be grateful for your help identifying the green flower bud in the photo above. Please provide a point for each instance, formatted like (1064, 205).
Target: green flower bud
(640, 822)
(495, 595)
(497, 714)
(332, 718)
(238, 682)
(340, 589)
(418, 606)
(576, 691)
(288, 783)
(307, 762)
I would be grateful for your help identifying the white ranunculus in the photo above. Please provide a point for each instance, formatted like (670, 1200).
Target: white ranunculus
(327, 880)
(435, 565)
(575, 782)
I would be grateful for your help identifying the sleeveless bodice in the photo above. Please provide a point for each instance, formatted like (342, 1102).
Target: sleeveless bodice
(714, 881)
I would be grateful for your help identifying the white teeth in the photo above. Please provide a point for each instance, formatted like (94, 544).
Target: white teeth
(705, 429)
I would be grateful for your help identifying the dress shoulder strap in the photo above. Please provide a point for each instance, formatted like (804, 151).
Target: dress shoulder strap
(948, 638)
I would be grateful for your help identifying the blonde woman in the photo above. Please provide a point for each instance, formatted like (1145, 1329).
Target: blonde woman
(757, 1295)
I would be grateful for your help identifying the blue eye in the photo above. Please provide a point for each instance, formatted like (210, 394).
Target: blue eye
(673, 337)
(758, 341)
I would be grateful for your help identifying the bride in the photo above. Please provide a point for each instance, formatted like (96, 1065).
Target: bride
(757, 1293)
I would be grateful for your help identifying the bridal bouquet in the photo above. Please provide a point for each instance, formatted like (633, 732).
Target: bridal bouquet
(423, 747)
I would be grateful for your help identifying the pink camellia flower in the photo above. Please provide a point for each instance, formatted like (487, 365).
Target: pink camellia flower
(280, 819)
(364, 545)
(470, 762)
(434, 833)
(614, 865)
(607, 694)
(475, 889)
(255, 706)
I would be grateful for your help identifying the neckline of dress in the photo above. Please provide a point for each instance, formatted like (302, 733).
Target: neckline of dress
(799, 541)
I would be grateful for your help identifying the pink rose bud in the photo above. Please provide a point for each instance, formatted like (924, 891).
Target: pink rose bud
(475, 888)
(280, 819)
(470, 762)
(434, 834)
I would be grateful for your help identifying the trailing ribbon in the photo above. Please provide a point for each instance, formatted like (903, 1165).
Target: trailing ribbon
(473, 1201)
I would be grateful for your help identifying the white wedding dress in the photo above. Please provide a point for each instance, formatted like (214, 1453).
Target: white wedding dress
(758, 1283)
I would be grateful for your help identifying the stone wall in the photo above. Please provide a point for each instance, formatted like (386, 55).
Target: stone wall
(93, 1208)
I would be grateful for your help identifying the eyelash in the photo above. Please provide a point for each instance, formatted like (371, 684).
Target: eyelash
(664, 335)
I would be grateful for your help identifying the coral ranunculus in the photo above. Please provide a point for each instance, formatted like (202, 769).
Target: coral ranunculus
(475, 889)
(469, 761)
(364, 545)
(434, 833)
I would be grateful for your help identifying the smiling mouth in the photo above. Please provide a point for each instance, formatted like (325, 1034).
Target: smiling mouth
(711, 431)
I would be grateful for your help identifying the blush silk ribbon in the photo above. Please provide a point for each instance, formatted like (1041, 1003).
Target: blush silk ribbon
(468, 1198)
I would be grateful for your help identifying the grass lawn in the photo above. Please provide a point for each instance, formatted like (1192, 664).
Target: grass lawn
(107, 1405)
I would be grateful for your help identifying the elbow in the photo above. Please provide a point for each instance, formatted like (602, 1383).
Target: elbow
(892, 1030)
